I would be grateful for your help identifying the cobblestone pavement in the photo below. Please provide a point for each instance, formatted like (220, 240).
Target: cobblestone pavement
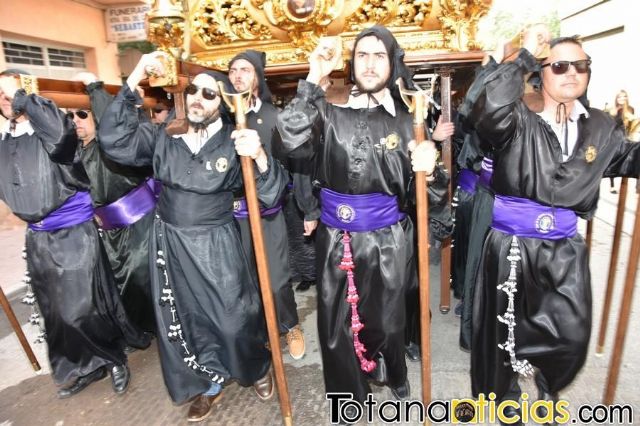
(29, 399)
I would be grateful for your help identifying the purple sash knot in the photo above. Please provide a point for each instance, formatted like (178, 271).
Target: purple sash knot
(241, 210)
(129, 208)
(526, 218)
(359, 213)
(75, 210)
(467, 180)
(486, 171)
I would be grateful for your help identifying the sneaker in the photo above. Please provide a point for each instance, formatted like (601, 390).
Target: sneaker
(295, 341)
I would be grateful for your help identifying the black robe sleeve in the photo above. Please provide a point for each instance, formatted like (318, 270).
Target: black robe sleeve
(55, 131)
(122, 136)
(495, 113)
(626, 161)
(298, 122)
(99, 98)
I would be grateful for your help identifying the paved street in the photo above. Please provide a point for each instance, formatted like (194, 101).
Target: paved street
(27, 398)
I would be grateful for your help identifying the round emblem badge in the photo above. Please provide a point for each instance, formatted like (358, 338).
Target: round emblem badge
(590, 154)
(345, 213)
(236, 206)
(392, 141)
(221, 164)
(544, 223)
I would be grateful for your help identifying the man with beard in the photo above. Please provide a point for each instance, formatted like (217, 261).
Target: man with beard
(44, 184)
(246, 72)
(532, 306)
(124, 200)
(365, 248)
(209, 314)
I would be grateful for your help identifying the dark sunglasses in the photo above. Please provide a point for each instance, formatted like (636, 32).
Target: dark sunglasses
(561, 67)
(82, 115)
(208, 94)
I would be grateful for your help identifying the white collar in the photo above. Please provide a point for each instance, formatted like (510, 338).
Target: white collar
(21, 128)
(577, 110)
(257, 104)
(362, 101)
(195, 141)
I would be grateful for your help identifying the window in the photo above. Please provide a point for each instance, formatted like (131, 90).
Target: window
(43, 60)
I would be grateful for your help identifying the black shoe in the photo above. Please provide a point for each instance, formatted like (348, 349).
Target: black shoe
(402, 391)
(120, 376)
(511, 412)
(458, 309)
(305, 285)
(82, 382)
(129, 349)
(543, 395)
(412, 351)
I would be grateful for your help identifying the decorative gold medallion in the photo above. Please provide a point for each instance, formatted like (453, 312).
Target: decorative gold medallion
(591, 153)
(391, 141)
(221, 164)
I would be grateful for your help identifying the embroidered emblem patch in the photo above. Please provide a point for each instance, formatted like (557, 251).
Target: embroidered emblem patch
(591, 154)
(544, 223)
(392, 141)
(345, 213)
(236, 206)
(221, 164)
(259, 120)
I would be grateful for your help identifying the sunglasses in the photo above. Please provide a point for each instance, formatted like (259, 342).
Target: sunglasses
(159, 110)
(208, 94)
(82, 115)
(561, 67)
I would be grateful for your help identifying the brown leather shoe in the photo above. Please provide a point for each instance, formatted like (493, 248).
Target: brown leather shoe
(202, 407)
(264, 387)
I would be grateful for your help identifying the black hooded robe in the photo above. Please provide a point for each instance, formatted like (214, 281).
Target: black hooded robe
(553, 298)
(351, 160)
(128, 247)
(86, 325)
(197, 249)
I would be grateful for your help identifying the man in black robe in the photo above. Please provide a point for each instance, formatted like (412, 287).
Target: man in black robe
(246, 73)
(533, 300)
(209, 314)
(124, 200)
(43, 183)
(365, 249)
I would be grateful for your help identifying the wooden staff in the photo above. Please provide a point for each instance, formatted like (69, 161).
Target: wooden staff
(416, 101)
(445, 251)
(625, 311)
(238, 102)
(589, 237)
(613, 263)
(18, 330)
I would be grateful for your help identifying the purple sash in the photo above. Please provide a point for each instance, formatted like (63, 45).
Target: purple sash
(526, 218)
(359, 213)
(467, 180)
(486, 172)
(156, 186)
(128, 209)
(76, 210)
(240, 209)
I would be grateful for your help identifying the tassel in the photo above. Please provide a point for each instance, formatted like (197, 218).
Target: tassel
(347, 265)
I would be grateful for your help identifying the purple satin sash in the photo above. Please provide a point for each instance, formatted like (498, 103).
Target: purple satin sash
(526, 218)
(76, 210)
(156, 186)
(241, 211)
(129, 208)
(467, 180)
(486, 172)
(359, 213)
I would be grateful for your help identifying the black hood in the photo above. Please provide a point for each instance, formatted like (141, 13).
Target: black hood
(225, 113)
(259, 62)
(396, 58)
